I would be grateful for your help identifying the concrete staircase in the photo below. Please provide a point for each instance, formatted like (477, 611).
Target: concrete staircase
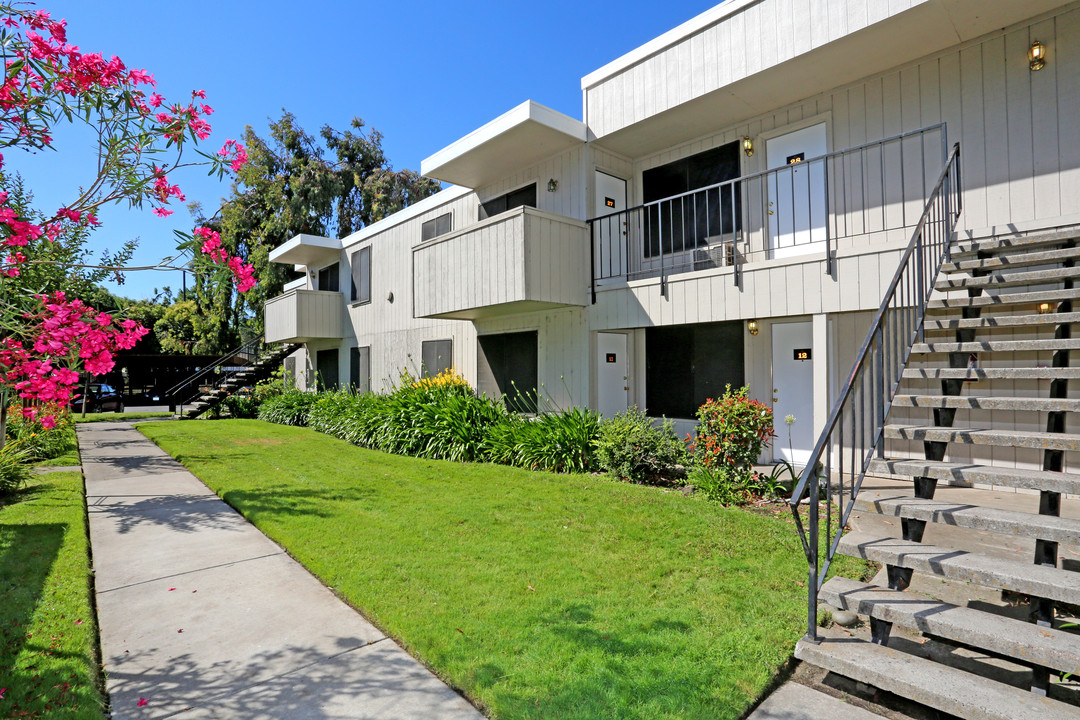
(264, 364)
(985, 399)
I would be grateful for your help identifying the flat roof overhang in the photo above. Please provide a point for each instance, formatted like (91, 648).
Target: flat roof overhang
(307, 250)
(521, 137)
(922, 30)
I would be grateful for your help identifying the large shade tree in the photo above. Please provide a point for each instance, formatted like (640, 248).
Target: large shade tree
(331, 185)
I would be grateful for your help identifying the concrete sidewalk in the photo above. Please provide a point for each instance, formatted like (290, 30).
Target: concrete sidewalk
(201, 614)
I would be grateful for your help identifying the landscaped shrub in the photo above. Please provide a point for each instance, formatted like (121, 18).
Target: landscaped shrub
(630, 446)
(289, 408)
(41, 442)
(14, 466)
(241, 405)
(732, 433)
(560, 441)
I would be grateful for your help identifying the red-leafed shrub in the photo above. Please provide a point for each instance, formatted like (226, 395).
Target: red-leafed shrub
(733, 431)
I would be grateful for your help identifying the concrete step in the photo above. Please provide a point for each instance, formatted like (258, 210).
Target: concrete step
(996, 346)
(1013, 260)
(1003, 299)
(965, 402)
(1012, 638)
(984, 436)
(988, 323)
(974, 517)
(1002, 373)
(982, 474)
(1022, 577)
(1012, 243)
(1003, 278)
(953, 691)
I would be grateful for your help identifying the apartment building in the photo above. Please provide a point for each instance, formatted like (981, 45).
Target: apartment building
(730, 209)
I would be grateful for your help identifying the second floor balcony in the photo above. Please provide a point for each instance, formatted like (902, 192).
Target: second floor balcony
(300, 315)
(518, 261)
(813, 207)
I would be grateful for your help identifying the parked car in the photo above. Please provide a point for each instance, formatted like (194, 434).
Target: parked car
(99, 398)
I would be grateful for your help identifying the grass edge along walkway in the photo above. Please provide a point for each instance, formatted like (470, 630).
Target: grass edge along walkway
(537, 595)
(48, 634)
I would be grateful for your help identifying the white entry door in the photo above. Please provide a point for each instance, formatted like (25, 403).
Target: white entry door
(793, 391)
(612, 376)
(797, 204)
(610, 233)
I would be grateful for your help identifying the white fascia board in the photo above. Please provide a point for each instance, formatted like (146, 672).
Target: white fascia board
(417, 208)
(671, 37)
(305, 250)
(491, 142)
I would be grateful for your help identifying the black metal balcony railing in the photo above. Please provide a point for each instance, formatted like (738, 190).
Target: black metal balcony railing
(854, 432)
(190, 388)
(813, 205)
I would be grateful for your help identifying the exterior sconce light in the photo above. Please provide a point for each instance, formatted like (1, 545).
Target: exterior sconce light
(553, 185)
(752, 326)
(1037, 56)
(748, 146)
(1044, 308)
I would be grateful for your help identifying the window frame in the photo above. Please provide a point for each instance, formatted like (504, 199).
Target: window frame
(354, 260)
(433, 223)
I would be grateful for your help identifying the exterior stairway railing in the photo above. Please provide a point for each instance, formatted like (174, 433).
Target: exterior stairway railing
(185, 391)
(810, 205)
(854, 432)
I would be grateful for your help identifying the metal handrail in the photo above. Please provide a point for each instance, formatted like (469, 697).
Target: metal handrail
(747, 205)
(863, 403)
(249, 349)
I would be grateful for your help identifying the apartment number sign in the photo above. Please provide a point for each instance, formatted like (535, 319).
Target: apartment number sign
(796, 159)
(802, 354)
(611, 357)
(609, 202)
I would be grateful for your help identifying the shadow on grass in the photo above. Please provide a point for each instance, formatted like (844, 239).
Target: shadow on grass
(282, 500)
(27, 663)
(605, 679)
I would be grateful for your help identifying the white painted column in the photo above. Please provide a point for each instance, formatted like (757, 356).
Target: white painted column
(821, 371)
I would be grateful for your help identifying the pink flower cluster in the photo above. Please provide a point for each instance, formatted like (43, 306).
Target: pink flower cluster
(235, 153)
(60, 332)
(243, 274)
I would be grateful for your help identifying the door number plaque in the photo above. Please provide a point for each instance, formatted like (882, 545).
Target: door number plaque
(802, 354)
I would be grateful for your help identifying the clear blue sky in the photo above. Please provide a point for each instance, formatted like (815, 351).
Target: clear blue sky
(422, 73)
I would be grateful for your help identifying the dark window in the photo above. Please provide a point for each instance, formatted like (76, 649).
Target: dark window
(698, 219)
(436, 227)
(436, 356)
(360, 369)
(326, 367)
(506, 367)
(685, 365)
(522, 196)
(361, 275)
(328, 278)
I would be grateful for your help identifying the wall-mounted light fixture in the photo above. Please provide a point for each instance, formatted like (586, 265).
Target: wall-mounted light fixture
(748, 146)
(553, 185)
(1045, 308)
(752, 326)
(390, 297)
(1037, 56)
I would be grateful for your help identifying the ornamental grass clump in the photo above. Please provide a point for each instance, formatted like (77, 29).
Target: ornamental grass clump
(733, 431)
(289, 408)
(630, 446)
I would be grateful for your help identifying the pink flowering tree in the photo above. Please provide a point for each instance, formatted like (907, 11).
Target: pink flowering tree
(47, 336)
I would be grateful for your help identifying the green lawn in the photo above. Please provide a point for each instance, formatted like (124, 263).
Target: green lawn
(106, 416)
(47, 627)
(537, 595)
